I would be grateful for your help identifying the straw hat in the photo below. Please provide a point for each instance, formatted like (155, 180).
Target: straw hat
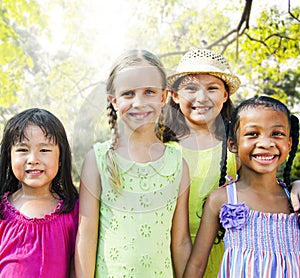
(205, 61)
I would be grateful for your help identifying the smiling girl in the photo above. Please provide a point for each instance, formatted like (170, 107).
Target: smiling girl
(39, 207)
(133, 219)
(262, 232)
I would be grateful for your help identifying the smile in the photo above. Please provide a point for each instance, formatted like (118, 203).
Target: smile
(201, 109)
(34, 172)
(265, 157)
(140, 116)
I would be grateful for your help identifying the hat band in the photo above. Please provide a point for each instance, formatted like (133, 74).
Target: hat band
(201, 68)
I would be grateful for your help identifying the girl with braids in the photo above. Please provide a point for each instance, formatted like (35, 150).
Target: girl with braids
(195, 116)
(134, 189)
(39, 203)
(262, 232)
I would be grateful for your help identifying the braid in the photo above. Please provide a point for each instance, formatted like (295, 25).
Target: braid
(110, 157)
(223, 163)
(112, 121)
(222, 180)
(293, 151)
(160, 127)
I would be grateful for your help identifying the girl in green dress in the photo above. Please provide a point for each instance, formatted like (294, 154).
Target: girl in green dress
(133, 214)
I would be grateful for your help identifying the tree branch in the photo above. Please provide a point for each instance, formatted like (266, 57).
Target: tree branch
(243, 21)
(290, 13)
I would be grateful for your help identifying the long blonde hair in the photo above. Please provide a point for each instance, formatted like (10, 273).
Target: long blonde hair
(128, 59)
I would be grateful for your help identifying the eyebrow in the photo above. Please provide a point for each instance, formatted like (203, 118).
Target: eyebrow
(255, 126)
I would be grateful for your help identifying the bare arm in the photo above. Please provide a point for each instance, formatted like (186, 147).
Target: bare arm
(87, 235)
(205, 238)
(295, 195)
(181, 242)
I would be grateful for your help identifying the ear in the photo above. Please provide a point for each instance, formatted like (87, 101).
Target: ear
(175, 97)
(226, 96)
(290, 143)
(232, 145)
(113, 101)
(164, 96)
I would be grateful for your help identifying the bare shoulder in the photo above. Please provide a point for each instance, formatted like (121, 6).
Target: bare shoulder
(90, 156)
(90, 163)
(217, 197)
(90, 176)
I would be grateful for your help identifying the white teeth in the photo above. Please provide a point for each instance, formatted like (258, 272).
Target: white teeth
(139, 116)
(34, 172)
(201, 109)
(265, 157)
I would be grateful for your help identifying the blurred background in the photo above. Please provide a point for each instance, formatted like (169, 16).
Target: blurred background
(57, 54)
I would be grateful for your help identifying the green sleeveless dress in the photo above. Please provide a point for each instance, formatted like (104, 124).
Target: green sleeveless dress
(204, 168)
(135, 220)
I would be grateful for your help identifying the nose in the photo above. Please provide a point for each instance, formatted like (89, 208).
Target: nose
(33, 158)
(200, 95)
(138, 101)
(265, 142)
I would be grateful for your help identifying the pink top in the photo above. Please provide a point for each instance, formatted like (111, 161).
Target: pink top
(36, 247)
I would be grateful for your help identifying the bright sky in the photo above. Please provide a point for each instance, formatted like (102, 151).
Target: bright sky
(106, 24)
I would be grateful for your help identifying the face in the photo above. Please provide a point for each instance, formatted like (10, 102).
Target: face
(201, 98)
(35, 160)
(139, 96)
(263, 139)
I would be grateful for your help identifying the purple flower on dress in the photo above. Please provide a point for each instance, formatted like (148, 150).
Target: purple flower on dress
(234, 215)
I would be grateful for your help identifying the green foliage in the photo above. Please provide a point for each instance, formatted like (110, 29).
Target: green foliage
(270, 53)
(15, 17)
(63, 77)
(295, 174)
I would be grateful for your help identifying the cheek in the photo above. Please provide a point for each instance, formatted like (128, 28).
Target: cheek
(185, 101)
(16, 162)
(218, 102)
(121, 106)
(17, 167)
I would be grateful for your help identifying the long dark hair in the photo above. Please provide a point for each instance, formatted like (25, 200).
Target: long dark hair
(176, 127)
(14, 131)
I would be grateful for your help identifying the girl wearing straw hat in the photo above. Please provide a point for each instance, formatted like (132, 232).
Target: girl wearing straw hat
(197, 115)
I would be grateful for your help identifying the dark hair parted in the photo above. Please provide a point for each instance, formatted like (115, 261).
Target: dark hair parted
(276, 105)
(15, 131)
(175, 124)
(176, 127)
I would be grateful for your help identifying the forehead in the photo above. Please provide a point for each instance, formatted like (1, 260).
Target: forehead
(263, 117)
(140, 76)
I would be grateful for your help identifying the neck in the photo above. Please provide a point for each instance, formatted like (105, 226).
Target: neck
(200, 139)
(141, 146)
(263, 181)
(202, 127)
(34, 193)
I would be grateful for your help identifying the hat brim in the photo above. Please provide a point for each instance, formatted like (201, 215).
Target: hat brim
(231, 80)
